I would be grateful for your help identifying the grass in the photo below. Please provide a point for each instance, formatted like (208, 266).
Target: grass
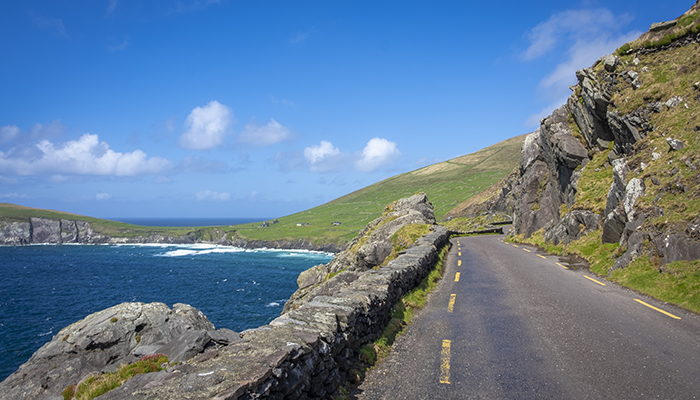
(677, 283)
(685, 25)
(404, 238)
(402, 313)
(100, 384)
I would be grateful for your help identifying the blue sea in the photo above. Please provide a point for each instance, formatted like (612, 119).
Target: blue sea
(46, 288)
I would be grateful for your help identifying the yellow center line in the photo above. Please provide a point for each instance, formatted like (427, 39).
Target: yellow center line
(657, 309)
(541, 256)
(527, 250)
(457, 277)
(591, 279)
(451, 306)
(562, 266)
(459, 253)
(514, 245)
(445, 362)
(459, 263)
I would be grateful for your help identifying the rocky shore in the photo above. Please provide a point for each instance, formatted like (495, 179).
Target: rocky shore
(306, 353)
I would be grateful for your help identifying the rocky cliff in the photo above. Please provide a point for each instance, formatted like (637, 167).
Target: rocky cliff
(306, 353)
(620, 159)
(62, 231)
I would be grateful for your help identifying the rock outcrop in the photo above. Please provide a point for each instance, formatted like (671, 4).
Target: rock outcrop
(595, 122)
(369, 249)
(103, 341)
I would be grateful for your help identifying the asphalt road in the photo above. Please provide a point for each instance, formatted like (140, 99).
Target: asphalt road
(518, 325)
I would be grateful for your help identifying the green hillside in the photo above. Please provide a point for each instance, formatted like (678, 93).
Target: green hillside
(446, 184)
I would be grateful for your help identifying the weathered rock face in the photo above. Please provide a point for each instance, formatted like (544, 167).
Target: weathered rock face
(15, 233)
(106, 339)
(553, 157)
(376, 246)
(48, 231)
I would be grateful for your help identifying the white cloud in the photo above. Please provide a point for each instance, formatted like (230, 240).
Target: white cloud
(85, 156)
(13, 196)
(581, 36)
(212, 195)
(8, 132)
(207, 126)
(315, 154)
(103, 196)
(264, 135)
(376, 154)
(325, 157)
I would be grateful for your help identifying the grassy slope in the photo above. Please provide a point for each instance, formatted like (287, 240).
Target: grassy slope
(446, 184)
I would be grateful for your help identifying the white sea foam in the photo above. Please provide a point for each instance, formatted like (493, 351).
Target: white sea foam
(273, 304)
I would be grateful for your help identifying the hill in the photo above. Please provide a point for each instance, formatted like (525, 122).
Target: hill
(446, 184)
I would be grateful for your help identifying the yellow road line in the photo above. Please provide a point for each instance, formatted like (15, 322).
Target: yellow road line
(527, 250)
(459, 263)
(541, 256)
(459, 253)
(657, 309)
(562, 266)
(451, 306)
(514, 245)
(457, 277)
(445, 362)
(591, 279)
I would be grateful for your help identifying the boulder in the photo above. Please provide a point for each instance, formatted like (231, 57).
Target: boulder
(613, 226)
(675, 144)
(104, 340)
(610, 62)
(662, 26)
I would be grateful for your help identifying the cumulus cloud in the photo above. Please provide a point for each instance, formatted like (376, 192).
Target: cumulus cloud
(85, 156)
(103, 196)
(582, 36)
(325, 157)
(265, 135)
(377, 153)
(212, 195)
(206, 126)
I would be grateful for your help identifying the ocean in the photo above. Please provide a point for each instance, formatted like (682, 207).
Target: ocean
(45, 288)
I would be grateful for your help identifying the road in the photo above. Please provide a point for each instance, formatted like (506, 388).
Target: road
(516, 324)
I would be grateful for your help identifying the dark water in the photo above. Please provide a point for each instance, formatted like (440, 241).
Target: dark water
(46, 288)
(187, 222)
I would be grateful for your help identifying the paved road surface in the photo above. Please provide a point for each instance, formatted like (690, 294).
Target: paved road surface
(517, 325)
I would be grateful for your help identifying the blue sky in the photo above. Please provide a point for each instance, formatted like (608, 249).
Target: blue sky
(206, 108)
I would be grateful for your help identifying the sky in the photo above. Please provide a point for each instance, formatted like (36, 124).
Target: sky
(232, 108)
